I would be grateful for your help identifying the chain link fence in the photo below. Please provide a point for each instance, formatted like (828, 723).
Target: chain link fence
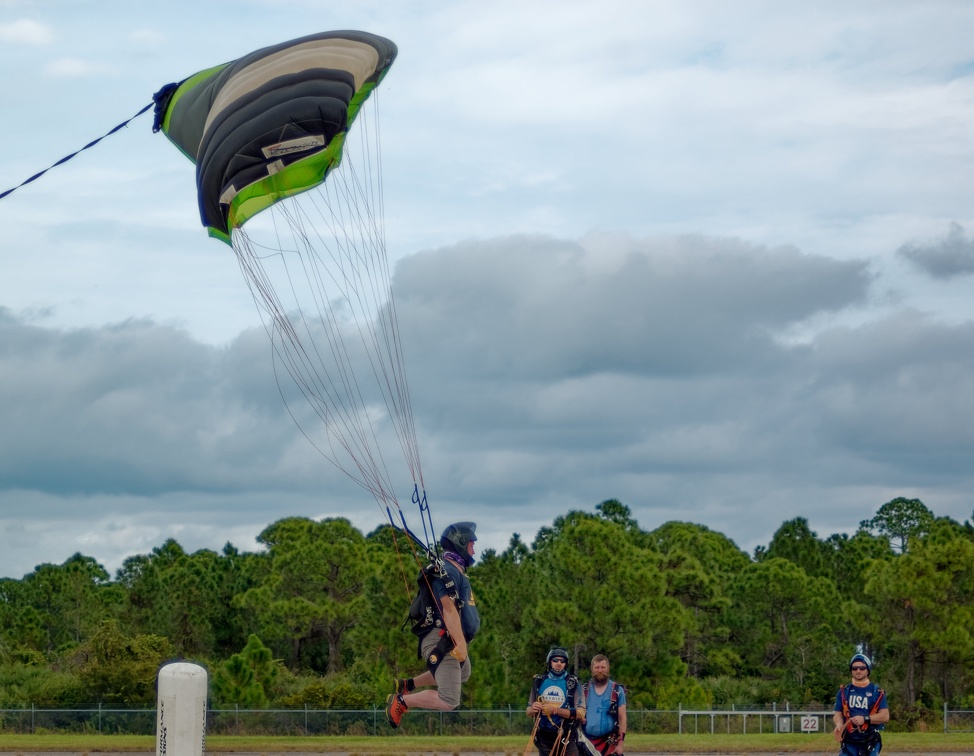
(506, 721)
(958, 720)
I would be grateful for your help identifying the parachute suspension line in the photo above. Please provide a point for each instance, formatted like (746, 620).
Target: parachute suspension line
(412, 442)
(66, 158)
(371, 262)
(289, 350)
(330, 256)
(338, 387)
(351, 289)
(288, 346)
(393, 347)
(397, 394)
(397, 390)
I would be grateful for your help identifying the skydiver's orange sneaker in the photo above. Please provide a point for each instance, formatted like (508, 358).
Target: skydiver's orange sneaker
(395, 708)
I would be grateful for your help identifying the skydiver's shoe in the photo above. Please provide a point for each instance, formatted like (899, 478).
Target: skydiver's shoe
(403, 685)
(395, 708)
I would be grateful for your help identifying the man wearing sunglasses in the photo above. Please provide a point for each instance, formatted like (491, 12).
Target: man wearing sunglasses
(860, 711)
(557, 706)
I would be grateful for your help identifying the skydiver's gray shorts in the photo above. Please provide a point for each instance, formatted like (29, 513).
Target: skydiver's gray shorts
(449, 673)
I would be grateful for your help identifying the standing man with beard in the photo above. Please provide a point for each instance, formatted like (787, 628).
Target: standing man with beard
(605, 722)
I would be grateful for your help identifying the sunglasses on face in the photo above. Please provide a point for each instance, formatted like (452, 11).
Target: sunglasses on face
(858, 666)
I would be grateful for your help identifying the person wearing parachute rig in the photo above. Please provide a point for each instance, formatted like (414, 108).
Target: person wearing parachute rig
(557, 706)
(859, 707)
(605, 722)
(445, 619)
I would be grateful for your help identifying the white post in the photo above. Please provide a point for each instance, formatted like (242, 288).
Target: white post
(181, 710)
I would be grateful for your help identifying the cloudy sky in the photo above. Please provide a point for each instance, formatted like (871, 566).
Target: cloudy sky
(711, 259)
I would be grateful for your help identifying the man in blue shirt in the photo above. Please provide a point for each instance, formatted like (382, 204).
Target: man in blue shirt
(860, 711)
(448, 622)
(605, 722)
(556, 704)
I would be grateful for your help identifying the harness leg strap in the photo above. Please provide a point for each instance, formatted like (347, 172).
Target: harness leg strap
(439, 653)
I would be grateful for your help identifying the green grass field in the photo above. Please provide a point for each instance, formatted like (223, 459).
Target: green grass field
(509, 746)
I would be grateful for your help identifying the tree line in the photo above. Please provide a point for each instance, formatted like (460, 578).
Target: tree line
(315, 618)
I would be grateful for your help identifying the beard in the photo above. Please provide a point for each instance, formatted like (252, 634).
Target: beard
(600, 677)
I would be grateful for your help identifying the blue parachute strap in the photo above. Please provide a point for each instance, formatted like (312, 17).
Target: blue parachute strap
(419, 499)
(66, 158)
(404, 528)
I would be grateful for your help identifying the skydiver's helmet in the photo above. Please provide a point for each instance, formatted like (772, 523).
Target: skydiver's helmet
(861, 658)
(555, 653)
(456, 537)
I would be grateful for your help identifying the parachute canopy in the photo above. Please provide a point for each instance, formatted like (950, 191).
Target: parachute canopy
(272, 123)
(265, 132)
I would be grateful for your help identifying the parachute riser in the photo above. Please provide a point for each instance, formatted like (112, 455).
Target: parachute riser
(430, 549)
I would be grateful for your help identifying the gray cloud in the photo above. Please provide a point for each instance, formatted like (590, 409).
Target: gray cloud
(546, 374)
(137, 409)
(659, 378)
(735, 383)
(671, 306)
(947, 258)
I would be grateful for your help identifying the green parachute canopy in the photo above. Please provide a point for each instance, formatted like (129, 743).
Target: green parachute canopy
(272, 123)
(265, 132)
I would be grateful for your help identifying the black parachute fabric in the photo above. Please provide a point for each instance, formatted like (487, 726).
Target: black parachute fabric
(272, 123)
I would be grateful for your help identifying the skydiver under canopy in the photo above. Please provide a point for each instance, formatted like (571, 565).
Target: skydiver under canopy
(445, 619)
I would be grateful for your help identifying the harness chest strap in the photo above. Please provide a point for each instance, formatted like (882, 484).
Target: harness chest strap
(438, 568)
(848, 714)
(570, 701)
(424, 612)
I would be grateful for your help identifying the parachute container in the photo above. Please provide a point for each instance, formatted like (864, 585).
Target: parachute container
(181, 710)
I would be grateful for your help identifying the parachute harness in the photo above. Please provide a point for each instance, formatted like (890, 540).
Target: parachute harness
(426, 611)
(847, 714)
(567, 725)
